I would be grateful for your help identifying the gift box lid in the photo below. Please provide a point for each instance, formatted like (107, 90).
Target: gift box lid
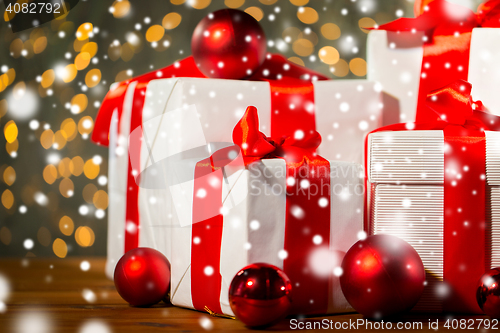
(417, 157)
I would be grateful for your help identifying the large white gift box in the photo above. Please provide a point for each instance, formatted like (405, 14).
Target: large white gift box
(406, 172)
(394, 59)
(208, 109)
(254, 225)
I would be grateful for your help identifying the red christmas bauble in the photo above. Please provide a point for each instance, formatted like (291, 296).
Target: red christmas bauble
(382, 276)
(228, 44)
(142, 276)
(488, 293)
(260, 295)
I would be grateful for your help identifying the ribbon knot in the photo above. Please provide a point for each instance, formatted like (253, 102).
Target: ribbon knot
(453, 104)
(256, 145)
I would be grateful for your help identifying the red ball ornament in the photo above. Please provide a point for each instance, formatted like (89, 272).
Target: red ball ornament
(260, 295)
(488, 293)
(142, 276)
(228, 44)
(382, 276)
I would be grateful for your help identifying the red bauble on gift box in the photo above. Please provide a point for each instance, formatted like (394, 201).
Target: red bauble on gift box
(142, 276)
(382, 276)
(260, 295)
(228, 44)
(488, 293)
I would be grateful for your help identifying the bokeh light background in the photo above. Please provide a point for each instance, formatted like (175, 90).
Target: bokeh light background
(53, 179)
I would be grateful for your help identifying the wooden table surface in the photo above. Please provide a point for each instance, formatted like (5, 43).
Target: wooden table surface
(55, 295)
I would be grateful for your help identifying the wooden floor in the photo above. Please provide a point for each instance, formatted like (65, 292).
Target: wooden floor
(55, 295)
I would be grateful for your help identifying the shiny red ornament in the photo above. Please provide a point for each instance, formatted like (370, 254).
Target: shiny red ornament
(488, 293)
(142, 276)
(260, 295)
(382, 276)
(228, 44)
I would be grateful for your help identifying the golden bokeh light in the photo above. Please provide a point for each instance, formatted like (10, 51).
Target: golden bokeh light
(40, 45)
(366, 22)
(90, 169)
(82, 60)
(330, 31)
(3, 107)
(86, 125)
(64, 167)
(50, 174)
(329, 55)
(234, 3)
(44, 236)
(127, 52)
(100, 200)
(66, 187)
(291, 34)
(84, 31)
(48, 78)
(268, 2)
(60, 248)
(123, 75)
(68, 129)
(114, 51)
(79, 103)
(7, 199)
(9, 175)
(12, 147)
(177, 2)
(93, 78)
(171, 20)
(10, 131)
(121, 8)
(297, 61)
(69, 72)
(66, 225)
(88, 193)
(90, 48)
(307, 15)
(310, 36)
(84, 236)
(59, 140)
(10, 75)
(199, 4)
(76, 166)
(299, 2)
(255, 12)
(303, 47)
(155, 33)
(79, 44)
(340, 69)
(358, 66)
(5, 236)
(16, 47)
(47, 138)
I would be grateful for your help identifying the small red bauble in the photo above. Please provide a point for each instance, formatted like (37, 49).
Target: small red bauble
(228, 44)
(142, 276)
(488, 293)
(382, 276)
(260, 295)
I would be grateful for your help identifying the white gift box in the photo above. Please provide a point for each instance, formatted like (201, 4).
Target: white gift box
(257, 194)
(406, 199)
(394, 60)
(208, 110)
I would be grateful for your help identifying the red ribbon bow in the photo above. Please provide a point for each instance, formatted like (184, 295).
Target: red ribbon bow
(256, 145)
(448, 29)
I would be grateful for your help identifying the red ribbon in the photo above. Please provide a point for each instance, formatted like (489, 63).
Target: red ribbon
(292, 105)
(447, 29)
(463, 122)
(302, 164)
